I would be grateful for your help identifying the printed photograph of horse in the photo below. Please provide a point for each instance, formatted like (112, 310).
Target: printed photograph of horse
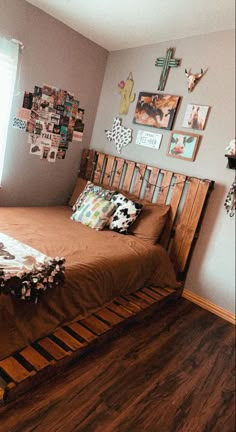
(195, 116)
(183, 145)
(156, 110)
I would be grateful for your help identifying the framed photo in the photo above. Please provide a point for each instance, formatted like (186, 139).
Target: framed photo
(156, 109)
(183, 145)
(195, 116)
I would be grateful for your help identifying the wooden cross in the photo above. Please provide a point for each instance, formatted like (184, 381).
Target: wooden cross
(166, 62)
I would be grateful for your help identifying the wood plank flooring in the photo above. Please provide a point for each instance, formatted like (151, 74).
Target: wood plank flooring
(171, 372)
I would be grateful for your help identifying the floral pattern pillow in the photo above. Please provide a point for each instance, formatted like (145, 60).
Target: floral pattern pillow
(91, 187)
(126, 213)
(94, 211)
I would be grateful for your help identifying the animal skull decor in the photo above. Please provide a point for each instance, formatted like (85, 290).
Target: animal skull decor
(121, 135)
(193, 78)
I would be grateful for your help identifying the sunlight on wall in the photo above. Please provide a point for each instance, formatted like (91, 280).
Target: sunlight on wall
(8, 69)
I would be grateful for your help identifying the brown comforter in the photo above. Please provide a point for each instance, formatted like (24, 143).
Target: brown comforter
(99, 266)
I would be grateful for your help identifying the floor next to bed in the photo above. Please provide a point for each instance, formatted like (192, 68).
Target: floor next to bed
(171, 372)
(28, 367)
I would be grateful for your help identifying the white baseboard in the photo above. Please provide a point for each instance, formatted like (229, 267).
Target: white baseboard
(211, 307)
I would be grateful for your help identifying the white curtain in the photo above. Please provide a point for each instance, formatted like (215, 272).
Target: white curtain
(8, 69)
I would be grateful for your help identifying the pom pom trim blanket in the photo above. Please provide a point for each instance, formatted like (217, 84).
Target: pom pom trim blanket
(25, 272)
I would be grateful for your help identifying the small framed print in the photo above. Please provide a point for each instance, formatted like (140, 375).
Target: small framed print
(195, 116)
(183, 145)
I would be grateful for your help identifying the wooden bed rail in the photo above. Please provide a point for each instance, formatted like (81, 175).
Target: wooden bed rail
(186, 195)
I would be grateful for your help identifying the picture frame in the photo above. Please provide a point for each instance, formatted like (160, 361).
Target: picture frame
(195, 116)
(183, 145)
(156, 110)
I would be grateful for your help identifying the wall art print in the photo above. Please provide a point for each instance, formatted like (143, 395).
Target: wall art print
(166, 63)
(53, 119)
(156, 109)
(195, 116)
(127, 95)
(183, 145)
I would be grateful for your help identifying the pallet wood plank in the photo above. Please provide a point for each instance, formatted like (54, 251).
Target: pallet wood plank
(152, 181)
(139, 179)
(165, 185)
(170, 290)
(128, 176)
(81, 331)
(193, 223)
(137, 301)
(127, 305)
(94, 324)
(83, 163)
(98, 169)
(34, 358)
(182, 222)
(160, 291)
(151, 293)
(110, 317)
(118, 172)
(15, 370)
(53, 349)
(66, 338)
(5, 385)
(108, 170)
(119, 310)
(144, 297)
(175, 201)
(90, 165)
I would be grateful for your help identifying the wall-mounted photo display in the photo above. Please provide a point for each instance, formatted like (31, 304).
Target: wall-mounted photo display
(52, 118)
(195, 116)
(156, 110)
(183, 145)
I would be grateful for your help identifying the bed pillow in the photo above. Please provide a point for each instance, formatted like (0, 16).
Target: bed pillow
(78, 189)
(96, 189)
(94, 211)
(125, 214)
(151, 222)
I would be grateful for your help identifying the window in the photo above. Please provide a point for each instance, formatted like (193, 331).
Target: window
(8, 68)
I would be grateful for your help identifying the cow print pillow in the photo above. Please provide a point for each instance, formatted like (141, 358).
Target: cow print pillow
(126, 213)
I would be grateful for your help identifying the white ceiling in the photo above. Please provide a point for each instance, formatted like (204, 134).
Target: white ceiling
(120, 24)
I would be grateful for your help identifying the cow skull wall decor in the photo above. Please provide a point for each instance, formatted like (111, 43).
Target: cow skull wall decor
(193, 78)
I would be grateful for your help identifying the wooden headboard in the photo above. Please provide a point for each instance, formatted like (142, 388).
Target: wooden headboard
(186, 195)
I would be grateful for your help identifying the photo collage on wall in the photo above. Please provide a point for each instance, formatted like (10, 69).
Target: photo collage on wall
(53, 119)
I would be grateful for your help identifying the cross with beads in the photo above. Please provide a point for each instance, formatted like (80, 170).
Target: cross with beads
(166, 62)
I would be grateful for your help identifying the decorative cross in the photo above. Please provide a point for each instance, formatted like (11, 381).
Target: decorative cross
(166, 62)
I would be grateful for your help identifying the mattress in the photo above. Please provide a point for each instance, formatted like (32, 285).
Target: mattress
(100, 265)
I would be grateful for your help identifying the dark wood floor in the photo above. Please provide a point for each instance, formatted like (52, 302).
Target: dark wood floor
(173, 372)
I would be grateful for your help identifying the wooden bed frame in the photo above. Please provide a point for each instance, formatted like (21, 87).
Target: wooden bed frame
(188, 198)
(186, 195)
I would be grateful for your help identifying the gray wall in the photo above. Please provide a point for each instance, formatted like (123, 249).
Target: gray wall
(212, 273)
(59, 56)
